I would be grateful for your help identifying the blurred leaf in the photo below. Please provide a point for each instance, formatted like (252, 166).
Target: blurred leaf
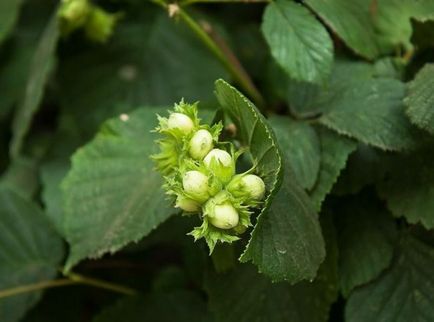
(351, 20)
(153, 61)
(112, 195)
(9, 10)
(403, 293)
(300, 146)
(366, 236)
(41, 66)
(30, 252)
(298, 42)
(243, 295)
(392, 20)
(179, 306)
(409, 189)
(420, 99)
(22, 177)
(335, 150)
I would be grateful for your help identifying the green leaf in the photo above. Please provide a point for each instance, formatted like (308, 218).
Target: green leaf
(30, 252)
(178, 306)
(243, 295)
(285, 245)
(403, 293)
(409, 189)
(300, 146)
(298, 42)
(9, 11)
(149, 62)
(351, 20)
(112, 195)
(368, 109)
(420, 99)
(42, 65)
(366, 236)
(392, 20)
(22, 177)
(335, 150)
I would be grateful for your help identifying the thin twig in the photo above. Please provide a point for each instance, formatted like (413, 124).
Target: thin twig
(36, 287)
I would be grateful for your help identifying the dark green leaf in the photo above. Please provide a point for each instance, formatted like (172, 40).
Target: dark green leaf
(154, 61)
(112, 195)
(286, 242)
(368, 109)
(351, 20)
(42, 64)
(9, 10)
(243, 295)
(420, 99)
(30, 252)
(403, 293)
(300, 146)
(409, 189)
(22, 177)
(366, 236)
(298, 42)
(180, 306)
(335, 150)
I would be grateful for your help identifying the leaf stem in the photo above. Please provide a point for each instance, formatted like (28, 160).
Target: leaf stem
(35, 287)
(101, 284)
(71, 279)
(226, 57)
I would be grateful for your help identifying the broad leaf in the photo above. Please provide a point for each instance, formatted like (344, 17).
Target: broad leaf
(179, 306)
(368, 109)
(286, 243)
(41, 66)
(335, 150)
(112, 195)
(30, 252)
(9, 10)
(420, 99)
(22, 177)
(409, 189)
(243, 295)
(153, 61)
(392, 20)
(300, 146)
(403, 293)
(351, 20)
(366, 236)
(298, 41)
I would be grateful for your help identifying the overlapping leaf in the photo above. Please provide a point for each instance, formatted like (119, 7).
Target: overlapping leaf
(112, 195)
(286, 243)
(30, 252)
(298, 42)
(300, 146)
(403, 293)
(420, 99)
(335, 150)
(153, 61)
(366, 236)
(41, 66)
(351, 20)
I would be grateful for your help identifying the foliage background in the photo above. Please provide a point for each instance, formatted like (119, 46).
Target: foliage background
(347, 91)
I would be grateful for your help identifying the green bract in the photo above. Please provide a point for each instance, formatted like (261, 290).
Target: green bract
(200, 173)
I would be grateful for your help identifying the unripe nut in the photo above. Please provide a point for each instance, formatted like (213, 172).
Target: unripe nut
(224, 216)
(195, 183)
(254, 185)
(187, 204)
(180, 121)
(200, 144)
(220, 155)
